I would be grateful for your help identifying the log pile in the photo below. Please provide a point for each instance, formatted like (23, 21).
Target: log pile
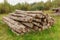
(25, 21)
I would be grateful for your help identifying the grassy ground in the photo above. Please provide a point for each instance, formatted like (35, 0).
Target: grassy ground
(50, 34)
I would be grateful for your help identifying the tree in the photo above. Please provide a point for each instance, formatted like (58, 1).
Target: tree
(48, 5)
(38, 6)
(56, 3)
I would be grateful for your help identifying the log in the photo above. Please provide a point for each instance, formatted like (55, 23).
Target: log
(39, 29)
(30, 12)
(30, 25)
(28, 29)
(18, 26)
(38, 13)
(28, 15)
(50, 20)
(12, 27)
(34, 12)
(21, 19)
(37, 24)
(22, 14)
(35, 28)
(18, 15)
(37, 20)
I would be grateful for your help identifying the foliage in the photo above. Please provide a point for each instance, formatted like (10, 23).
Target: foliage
(7, 8)
(38, 6)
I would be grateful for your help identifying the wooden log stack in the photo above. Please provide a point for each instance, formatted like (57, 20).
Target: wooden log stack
(25, 21)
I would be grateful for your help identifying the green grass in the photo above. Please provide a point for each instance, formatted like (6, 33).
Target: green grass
(49, 34)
